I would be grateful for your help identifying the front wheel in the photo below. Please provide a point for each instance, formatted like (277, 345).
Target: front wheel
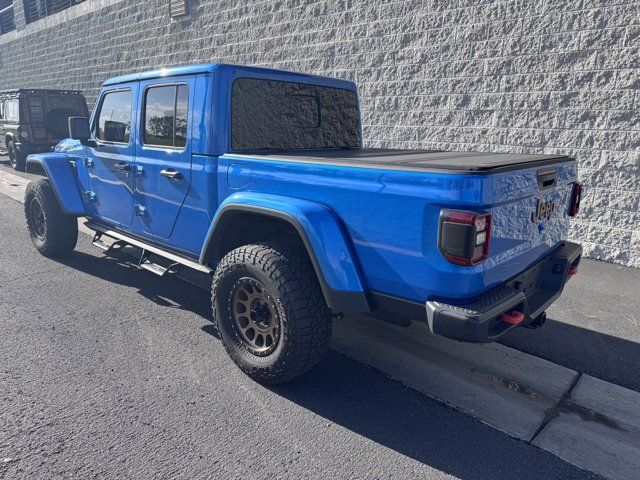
(270, 311)
(53, 233)
(18, 160)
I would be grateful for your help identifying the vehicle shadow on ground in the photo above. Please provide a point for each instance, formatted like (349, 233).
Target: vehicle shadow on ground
(593, 353)
(363, 400)
(165, 291)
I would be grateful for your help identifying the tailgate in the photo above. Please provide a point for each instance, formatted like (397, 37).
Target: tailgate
(530, 216)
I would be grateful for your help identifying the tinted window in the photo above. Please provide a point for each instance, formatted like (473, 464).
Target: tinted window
(12, 110)
(165, 116)
(114, 120)
(274, 115)
(58, 109)
(182, 107)
(73, 104)
(36, 109)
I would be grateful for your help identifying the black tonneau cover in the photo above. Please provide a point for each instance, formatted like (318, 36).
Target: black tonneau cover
(417, 160)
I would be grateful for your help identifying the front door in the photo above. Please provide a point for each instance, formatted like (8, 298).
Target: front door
(111, 162)
(163, 153)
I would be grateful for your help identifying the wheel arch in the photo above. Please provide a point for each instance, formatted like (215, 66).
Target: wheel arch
(56, 167)
(315, 226)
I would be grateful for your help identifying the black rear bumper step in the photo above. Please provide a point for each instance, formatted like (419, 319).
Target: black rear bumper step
(531, 292)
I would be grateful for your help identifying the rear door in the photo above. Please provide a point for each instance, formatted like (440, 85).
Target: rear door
(163, 153)
(111, 162)
(58, 109)
(35, 108)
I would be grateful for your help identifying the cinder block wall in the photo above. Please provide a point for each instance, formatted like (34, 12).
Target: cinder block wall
(505, 75)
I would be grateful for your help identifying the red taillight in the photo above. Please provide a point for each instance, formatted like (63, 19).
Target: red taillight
(576, 195)
(464, 236)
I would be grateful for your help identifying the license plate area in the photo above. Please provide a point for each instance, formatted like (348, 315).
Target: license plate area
(529, 281)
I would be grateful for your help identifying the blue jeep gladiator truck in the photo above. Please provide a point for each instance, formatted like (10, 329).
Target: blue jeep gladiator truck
(258, 177)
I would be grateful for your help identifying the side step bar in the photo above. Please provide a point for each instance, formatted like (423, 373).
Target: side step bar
(122, 239)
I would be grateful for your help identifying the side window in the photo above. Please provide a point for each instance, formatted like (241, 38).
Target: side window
(12, 110)
(36, 109)
(165, 116)
(114, 119)
(1, 110)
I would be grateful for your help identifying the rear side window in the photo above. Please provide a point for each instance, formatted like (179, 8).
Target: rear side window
(36, 109)
(114, 119)
(276, 115)
(12, 110)
(165, 116)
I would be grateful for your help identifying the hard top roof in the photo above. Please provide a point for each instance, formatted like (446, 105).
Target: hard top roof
(216, 67)
(21, 91)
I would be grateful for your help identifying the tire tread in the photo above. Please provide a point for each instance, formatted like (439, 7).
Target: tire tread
(290, 269)
(62, 230)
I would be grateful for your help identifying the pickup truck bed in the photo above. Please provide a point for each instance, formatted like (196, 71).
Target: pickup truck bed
(414, 160)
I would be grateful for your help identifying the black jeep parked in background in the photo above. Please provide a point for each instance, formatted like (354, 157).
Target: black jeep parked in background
(34, 121)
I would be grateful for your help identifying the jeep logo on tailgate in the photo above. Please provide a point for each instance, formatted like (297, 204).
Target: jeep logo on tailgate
(543, 211)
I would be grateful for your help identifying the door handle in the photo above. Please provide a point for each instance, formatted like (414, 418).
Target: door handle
(122, 166)
(171, 174)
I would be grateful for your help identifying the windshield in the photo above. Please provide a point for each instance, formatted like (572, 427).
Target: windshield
(276, 115)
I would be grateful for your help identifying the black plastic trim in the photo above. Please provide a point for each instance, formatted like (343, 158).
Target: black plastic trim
(392, 305)
(339, 301)
(479, 321)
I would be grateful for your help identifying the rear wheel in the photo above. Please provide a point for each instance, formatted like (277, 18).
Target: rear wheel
(270, 311)
(18, 160)
(52, 232)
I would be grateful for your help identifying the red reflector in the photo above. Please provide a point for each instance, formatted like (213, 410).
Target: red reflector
(573, 270)
(461, 217)
(512, 318)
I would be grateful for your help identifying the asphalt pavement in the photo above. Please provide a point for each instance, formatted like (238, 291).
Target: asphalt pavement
(108, 371)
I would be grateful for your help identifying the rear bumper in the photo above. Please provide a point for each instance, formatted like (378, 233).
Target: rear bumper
(529, 293)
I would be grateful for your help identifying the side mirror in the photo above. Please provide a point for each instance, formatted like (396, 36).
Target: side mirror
(79, 130)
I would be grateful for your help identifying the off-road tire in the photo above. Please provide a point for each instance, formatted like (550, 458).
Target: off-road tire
(18, 160)
(305, 320)
(53, 233)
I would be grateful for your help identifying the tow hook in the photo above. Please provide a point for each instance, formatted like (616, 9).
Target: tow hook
(573, 270)
(513, 318)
